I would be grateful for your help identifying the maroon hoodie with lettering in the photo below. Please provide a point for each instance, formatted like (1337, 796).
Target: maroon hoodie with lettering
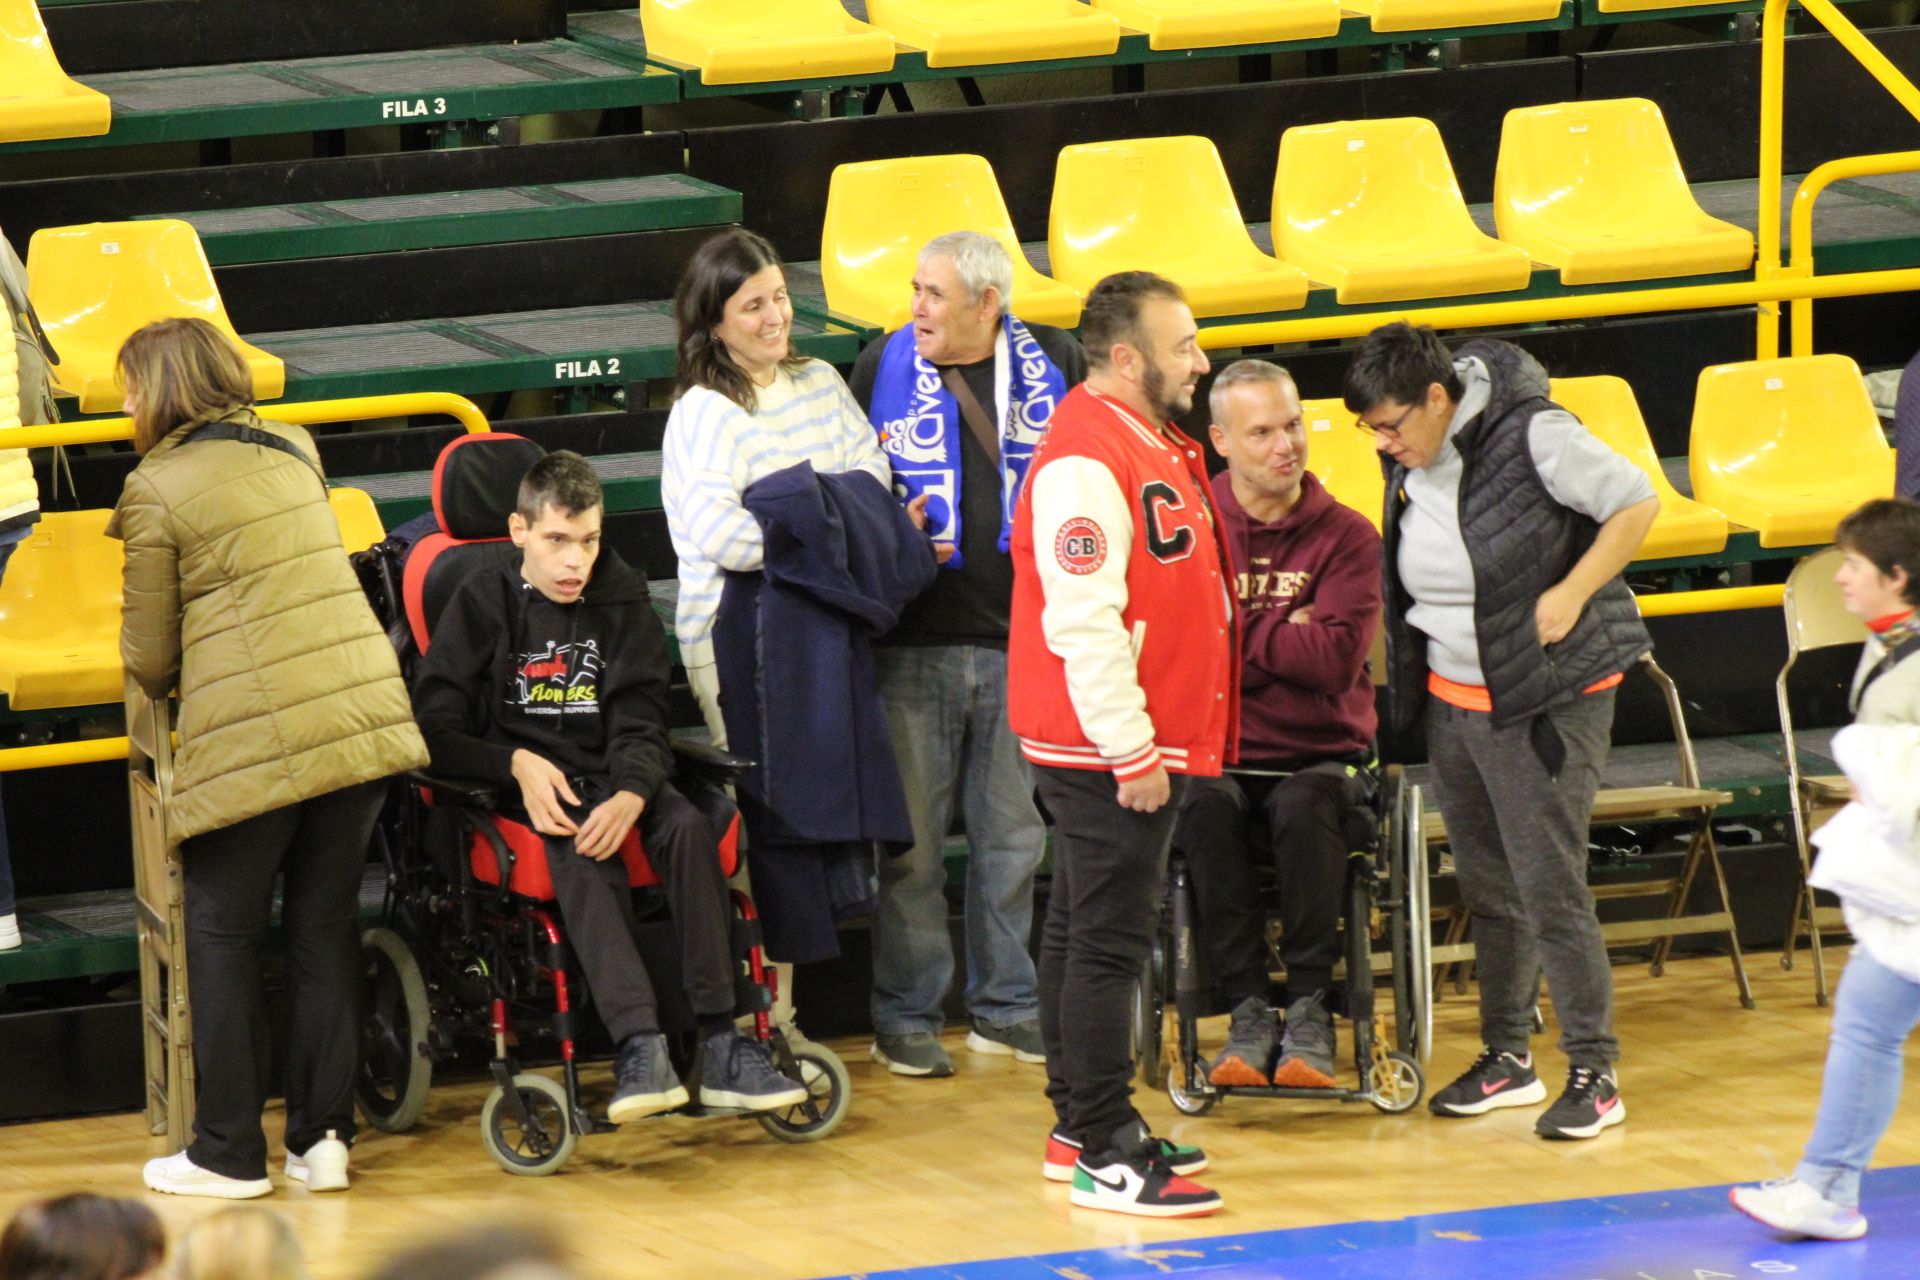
(1305, 692)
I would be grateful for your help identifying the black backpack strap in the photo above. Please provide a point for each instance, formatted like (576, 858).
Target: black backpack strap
(254, 435)
(1889, 660)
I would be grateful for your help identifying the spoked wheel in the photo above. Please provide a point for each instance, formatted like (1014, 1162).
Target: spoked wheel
(1396, 1083)
(395, 1069)
(1196, 1103)
(829, 1089)
(543, 1142)
(1149, 1010)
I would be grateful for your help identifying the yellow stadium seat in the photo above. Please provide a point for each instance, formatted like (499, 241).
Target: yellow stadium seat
(1162, 204)
(60, 605)
(1343, 456)
(1435, 15)
(1372, 208)
(93, 285)
(37, 99)
(1208, 24)
(1596, 189)
(745, 41)
(973, 33)
(1607, 407)
(1787, 447)
(880, 213)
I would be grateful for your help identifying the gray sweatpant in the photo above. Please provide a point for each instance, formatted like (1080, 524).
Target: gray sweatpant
(1519, 843)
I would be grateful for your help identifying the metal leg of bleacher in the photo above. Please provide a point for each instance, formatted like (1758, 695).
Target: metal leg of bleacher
(160, 909)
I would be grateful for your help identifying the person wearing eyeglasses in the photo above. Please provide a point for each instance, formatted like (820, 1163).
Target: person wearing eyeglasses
(1507, 526)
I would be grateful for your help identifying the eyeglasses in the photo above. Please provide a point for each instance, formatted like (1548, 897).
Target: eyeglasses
(1385, 428)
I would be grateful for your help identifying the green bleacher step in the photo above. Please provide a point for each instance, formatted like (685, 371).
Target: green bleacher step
(438, 220)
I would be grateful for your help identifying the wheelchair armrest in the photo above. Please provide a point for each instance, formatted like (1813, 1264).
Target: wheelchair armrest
(707, 762)
(468, 793)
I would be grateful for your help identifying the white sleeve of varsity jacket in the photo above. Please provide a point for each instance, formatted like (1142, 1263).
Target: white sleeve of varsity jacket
(1082, 544)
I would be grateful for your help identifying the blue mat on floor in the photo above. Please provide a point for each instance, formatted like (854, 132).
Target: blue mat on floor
(1662, 1235)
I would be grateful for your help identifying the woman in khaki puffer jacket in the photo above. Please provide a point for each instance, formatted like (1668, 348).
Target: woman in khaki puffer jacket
(292, 713)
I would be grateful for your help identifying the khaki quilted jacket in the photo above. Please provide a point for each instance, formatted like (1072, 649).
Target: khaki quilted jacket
(236, 587)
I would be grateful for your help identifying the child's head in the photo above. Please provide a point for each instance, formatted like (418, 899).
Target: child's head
(82, 1237)
(245, 1242)
(1881, 570)
(557, 525)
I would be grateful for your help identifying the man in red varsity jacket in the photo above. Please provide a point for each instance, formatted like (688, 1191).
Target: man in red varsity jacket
(1121, 681)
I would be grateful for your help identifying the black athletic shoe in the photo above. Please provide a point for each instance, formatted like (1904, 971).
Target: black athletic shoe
(737, 1072)
(1496, 1079)
(644, 1080)
(1590, 1104)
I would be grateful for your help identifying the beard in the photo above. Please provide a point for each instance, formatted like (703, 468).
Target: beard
(1167, 406)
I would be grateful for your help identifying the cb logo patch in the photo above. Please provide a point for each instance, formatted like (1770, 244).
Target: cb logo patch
(1080, 547)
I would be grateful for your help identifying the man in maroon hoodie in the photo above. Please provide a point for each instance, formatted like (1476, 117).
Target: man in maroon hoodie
(1308, 573)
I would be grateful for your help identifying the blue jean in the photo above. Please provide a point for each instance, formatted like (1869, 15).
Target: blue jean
(947, 709)
(6, 858)
(1873, 1014)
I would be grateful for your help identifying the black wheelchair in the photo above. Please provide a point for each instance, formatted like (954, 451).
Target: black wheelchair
(1386, 911)
(470, 949)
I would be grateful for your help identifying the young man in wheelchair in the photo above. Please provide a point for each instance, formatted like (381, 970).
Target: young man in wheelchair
(1308, 573)
(551, 675)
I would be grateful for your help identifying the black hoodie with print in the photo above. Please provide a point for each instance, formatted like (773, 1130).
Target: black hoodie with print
(583, 684)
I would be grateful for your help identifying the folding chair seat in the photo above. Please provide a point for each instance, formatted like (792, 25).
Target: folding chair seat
(1787, 447)
(1163, 205)
(975, 33)
(1372, 208)
(745, 41)
(1607, 407)
(93, 285)
(881, 213)
(1596, 189)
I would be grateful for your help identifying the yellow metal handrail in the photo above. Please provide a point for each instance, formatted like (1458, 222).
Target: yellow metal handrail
(305, 414)
(1712, 600)
(56, 754)
(1800, 227)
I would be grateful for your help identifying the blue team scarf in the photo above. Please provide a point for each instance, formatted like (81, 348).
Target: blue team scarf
(920, 424)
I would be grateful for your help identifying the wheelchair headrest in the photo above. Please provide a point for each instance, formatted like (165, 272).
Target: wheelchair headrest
(476, 482)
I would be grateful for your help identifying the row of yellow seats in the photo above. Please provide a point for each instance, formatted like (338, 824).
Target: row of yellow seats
(60, 605)
(1783, 447)
(1368, 207)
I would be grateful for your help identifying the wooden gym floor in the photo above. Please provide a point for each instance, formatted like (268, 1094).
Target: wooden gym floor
(928, 1171)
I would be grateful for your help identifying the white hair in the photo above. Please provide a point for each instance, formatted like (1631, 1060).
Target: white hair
(979, 260)
(1239, 374)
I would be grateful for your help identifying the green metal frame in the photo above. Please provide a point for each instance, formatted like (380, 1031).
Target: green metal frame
(330, 233)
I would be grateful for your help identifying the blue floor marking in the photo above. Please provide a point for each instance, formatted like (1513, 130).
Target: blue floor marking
(1661, 1235)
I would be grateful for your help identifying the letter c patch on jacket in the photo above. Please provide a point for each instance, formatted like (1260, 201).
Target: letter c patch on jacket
(1080, 546)
(1156, 499)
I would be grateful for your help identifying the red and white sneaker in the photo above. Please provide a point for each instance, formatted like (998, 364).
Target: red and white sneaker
(1063, 1152)
(1133, 1179)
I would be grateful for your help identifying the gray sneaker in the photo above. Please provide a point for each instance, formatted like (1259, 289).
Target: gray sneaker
(1306, 1050)
(1250, 1043)
(917, 1053)
(1021, 1039)
(737, 1073)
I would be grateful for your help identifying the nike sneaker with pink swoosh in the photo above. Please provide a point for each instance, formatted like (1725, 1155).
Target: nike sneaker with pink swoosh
(1590, 1105)
(1496, 1079)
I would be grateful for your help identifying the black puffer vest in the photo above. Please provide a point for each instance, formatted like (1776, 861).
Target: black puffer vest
(1521, 542)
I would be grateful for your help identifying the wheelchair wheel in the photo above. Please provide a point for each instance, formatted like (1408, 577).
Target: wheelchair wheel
(825, 1076)
(538, 1147)
(1149, 1009)
(1396, 1083)
(1190, 1104)
(395, 1069)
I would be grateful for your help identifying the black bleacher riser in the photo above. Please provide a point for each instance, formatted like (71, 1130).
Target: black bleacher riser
(1710, 94)
(25, 207)
(785, 186)
(532, 275)
(140, 34)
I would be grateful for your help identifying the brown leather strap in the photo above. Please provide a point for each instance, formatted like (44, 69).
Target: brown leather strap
(975, 416)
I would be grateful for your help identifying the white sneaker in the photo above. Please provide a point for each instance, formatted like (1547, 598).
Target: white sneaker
(176, 1175)
(323, 1168)
(1793, 1206)
(9, 931)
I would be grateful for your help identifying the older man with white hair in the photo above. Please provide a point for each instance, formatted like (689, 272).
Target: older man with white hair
(960, 396)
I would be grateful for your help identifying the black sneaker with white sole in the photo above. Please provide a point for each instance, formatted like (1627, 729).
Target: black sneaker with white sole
(737, 1073)
(1590, 1104)
(645, 1083)
(1132, 1177)
(1496, 1079)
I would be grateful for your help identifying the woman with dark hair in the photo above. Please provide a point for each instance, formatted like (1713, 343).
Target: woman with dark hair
(82, 1237)
(747, 407)
(292, 715)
